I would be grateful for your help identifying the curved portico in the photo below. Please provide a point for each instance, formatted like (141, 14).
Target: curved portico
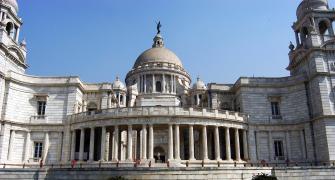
(129, 134)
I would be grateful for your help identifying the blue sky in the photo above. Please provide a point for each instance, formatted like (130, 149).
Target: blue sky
(219, 40)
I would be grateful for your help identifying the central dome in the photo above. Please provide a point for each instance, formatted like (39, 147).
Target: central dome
(158, 54)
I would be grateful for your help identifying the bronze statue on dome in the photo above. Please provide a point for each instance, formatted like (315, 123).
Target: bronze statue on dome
(159, 25)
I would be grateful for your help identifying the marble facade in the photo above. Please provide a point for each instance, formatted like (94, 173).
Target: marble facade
(157, 116)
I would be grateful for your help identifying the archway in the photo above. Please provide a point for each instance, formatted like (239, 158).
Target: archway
(159, 154)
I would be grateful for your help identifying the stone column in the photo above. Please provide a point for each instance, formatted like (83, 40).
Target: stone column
(103, 144)
(297, 38)
(302, 140)
(237, 146)
(245, 146)
(27, 148)
(191, 142)
(204, 143)
(109, 101)
(17, 34)
(81, 147)
(84, 106)
(144, 142)
(270, 146)
(153, 83)
(145, 84)
(170, 143)
(177, 143)
(107, 145)
(130, 143)
(288, 145)
(46, 147)
(217, 143)
(73, 144)
(227, 136)
(60, 147)
(171, 84)
(116, 143)
(151, 142)
(11, 145)
(175, 84)
(91, 156)
(163, 83)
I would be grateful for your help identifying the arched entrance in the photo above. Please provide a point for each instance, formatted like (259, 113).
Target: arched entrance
(159, 154)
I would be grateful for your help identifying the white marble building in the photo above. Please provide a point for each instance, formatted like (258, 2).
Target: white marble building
(158, 116)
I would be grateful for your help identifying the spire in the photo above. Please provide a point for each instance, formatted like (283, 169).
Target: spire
(158, 39)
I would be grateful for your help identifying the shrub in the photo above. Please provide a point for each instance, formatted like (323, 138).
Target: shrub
(264, 177)
(117, 178)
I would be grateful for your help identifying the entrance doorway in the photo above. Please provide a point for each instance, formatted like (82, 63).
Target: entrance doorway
(159, 155)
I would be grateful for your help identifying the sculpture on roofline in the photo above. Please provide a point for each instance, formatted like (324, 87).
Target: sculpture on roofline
(159, 25)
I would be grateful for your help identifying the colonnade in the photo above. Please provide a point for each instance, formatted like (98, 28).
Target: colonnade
(142, 147)
(168, 83)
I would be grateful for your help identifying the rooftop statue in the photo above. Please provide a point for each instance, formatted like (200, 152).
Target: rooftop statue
(159, 25)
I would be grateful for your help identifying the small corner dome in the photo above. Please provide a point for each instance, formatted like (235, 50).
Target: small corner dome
(118, 85)
(199, 85)
(12, 3)
(159, 55)
(306, 5)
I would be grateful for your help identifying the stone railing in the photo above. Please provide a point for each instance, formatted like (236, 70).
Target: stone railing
(158, 111)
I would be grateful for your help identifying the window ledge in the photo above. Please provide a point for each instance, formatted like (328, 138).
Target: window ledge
(38, 119)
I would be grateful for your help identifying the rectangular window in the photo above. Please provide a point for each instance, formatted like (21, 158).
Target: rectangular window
(279, 149)
(41, 108)
(38, 150)
(275, 108)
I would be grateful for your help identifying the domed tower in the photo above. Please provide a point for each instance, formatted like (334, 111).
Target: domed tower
(198, 94)
(10, 24)
(120, 93)
(159, 76)
(313, 59)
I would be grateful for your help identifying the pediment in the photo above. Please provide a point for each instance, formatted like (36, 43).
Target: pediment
(17, 53)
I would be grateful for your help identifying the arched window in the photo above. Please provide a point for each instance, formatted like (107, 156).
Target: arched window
(324, 28)
(10, 29)
(304, 32)
(158, 86)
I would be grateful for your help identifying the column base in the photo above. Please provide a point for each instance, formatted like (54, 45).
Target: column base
(129, 161)
(115, 160)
